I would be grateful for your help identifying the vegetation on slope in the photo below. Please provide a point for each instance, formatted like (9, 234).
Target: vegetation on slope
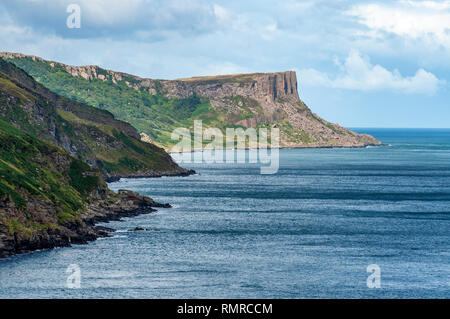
(152, 107)
(154, 114)
(31, 169)
(90, 134)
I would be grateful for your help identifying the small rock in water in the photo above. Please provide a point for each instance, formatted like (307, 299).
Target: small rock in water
(103, 231)
(139, 229)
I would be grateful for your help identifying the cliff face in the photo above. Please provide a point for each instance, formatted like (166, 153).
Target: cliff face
(273, 101)
(156, 107)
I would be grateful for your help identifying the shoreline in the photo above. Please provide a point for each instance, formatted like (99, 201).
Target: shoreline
(123, 204)
(116, 178)
(282, 147)
(127, 204)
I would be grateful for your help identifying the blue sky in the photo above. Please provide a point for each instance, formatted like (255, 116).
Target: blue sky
(358, 63)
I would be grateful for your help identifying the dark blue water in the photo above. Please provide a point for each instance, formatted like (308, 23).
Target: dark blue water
(309, 231)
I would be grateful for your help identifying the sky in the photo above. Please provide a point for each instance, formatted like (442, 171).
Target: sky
(358, 63)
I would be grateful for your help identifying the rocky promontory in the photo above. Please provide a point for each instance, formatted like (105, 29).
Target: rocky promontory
(106, 207)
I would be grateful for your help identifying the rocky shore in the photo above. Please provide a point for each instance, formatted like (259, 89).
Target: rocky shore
(181, 173)
(110, 206)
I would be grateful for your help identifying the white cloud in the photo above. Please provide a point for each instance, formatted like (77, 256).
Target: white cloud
(108, 12)
(441, 5)
(358, 73)
(175, 38)
(298, 6)
(223, 16)
(115, 19)
(427, 20)
(251, 24)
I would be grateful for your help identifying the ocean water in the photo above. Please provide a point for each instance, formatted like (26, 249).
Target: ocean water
(309, 231)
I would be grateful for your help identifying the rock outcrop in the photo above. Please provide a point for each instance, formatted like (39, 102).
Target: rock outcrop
(273, 100)
(80, 230)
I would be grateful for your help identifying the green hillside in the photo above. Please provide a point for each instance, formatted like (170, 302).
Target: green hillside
(154, 114)
(158, 107)
(89, 134)
(35, 171)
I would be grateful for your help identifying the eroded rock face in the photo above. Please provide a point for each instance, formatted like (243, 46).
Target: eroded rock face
(145, 138)
(109, 207)
(274, 100)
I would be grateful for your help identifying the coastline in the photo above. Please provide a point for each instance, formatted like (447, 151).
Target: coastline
(116, 178)
(113, 207)
(283, 147)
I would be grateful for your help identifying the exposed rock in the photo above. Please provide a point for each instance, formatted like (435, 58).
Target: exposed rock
(273, 97)
(184, 173)
(103, 231)
(48, 198)
(146, 138)
(139, 229)
(80, 231)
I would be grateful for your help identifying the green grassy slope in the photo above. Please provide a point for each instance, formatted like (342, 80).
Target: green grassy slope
(35, 171)
(90, 134)
(154, 114)
(158, 107)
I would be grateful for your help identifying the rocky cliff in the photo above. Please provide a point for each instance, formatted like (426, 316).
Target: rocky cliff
(272, 100)
(156, 107)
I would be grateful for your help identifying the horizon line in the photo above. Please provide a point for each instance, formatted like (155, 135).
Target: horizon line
(397, 127)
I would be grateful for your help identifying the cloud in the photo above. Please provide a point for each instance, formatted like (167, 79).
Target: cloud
(426, 20)
(223, 15)
(141, 19)
(178, 38)
(358, 73)
(435, 5)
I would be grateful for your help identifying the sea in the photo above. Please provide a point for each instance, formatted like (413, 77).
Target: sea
(332, 223)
